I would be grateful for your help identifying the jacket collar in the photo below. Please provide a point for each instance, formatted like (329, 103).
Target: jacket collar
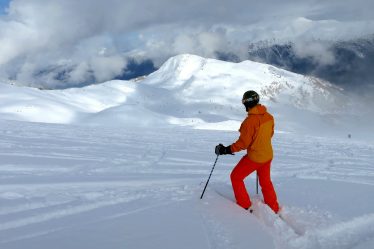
(258, 109)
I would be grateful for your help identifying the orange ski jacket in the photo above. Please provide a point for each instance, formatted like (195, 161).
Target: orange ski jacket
(256, 132)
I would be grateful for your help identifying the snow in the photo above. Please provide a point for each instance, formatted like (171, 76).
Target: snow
(123, 164)
(192, 91)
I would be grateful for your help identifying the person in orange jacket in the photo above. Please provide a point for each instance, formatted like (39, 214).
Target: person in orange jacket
(256, 132)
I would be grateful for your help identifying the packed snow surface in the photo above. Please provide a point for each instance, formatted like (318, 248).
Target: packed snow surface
(78, 187)
(125, 163)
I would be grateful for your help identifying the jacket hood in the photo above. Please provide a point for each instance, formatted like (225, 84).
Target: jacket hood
(258, 109)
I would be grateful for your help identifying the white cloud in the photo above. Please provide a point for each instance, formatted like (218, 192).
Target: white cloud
(94, 38)
(105, 68)
(317, 50)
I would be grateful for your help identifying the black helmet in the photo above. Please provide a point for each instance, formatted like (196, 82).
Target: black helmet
(250, 99)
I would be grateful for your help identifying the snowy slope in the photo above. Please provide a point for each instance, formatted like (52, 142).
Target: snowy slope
(65, 186)
(60, 106)
(200, 79)
(188, 90)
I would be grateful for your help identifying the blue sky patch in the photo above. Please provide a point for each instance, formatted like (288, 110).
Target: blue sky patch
(3, 5)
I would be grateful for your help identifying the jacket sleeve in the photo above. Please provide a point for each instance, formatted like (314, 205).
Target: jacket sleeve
(246, 136)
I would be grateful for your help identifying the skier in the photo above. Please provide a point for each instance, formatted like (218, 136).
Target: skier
(256, 132)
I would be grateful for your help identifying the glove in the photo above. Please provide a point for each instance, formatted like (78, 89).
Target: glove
(222, 150)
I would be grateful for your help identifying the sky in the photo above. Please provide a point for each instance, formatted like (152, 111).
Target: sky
(3, 6)
(62, 43)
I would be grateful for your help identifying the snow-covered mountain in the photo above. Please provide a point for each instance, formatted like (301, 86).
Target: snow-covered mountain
(134, 178)
(350, 65)
(186, 90)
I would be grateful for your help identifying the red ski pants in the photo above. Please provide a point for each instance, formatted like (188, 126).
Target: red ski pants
(245, 167)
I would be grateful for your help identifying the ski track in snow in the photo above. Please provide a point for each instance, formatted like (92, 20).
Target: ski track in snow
(54, 178)
(341, 235)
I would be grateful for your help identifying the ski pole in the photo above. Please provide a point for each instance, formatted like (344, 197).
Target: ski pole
(256, 183)
(201, 197)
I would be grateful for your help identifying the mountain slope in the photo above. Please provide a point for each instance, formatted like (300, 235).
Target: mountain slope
(186, 90)
(350, 65)
(199, 79)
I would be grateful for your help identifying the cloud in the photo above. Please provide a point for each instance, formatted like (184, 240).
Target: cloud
(59, 43)
(319, 51)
